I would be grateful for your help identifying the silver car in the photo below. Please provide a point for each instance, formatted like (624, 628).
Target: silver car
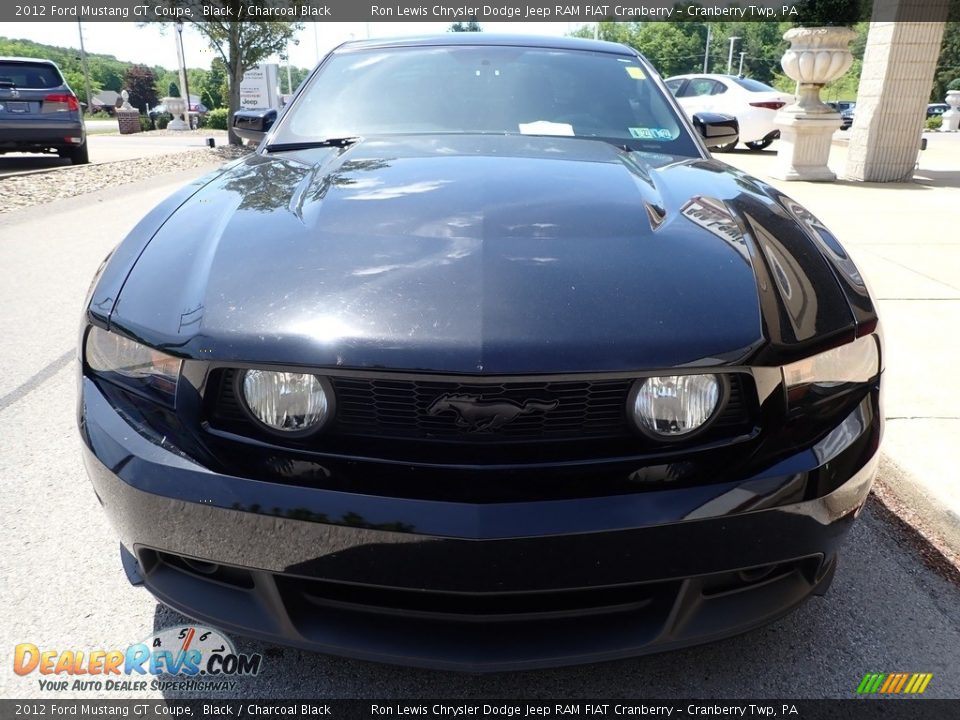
(38, 111)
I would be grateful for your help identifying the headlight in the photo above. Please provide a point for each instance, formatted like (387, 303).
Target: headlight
(673, 406)
(855, 362)
(118, 358)
(285, 402)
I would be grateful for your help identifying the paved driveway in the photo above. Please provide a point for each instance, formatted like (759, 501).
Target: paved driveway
(110, 148)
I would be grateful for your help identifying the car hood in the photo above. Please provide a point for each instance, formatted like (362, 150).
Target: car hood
(480, 254)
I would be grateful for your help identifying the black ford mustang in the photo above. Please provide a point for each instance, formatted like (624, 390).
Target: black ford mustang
(481, 362)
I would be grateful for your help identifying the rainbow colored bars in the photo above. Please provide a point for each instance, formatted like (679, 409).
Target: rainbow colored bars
(894, 683)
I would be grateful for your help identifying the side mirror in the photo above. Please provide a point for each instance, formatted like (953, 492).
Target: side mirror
(253, 124)
(716, 129)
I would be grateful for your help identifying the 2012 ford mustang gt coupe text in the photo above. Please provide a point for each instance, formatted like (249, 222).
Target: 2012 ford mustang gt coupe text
(480, 361)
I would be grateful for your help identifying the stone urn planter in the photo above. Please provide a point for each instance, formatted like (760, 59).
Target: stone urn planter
(817, 55)
(178, 108)
(951, 118)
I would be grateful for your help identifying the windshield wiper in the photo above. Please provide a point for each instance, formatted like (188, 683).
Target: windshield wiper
(340, 142)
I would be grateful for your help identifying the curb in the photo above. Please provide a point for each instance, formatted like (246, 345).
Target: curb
(939, 526)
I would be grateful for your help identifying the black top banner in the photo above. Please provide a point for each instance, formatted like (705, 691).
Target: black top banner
(798, 12)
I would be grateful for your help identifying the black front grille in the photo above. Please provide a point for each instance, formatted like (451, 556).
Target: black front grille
(402, 408)
(532, 410)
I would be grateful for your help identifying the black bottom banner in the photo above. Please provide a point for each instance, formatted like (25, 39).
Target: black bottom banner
(887, 708)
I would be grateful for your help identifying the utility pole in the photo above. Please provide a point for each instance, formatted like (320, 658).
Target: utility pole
(740, 71)
(86, 71)
(596, 31)
(730, 54)
(706, 52)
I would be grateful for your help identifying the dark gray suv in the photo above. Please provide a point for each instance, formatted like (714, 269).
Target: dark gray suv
(38, 110)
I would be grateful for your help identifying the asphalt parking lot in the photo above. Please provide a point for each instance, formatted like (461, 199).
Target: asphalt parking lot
(111, 148)
(62, 586)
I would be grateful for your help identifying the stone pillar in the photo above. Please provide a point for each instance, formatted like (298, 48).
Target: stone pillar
(128, 116)
(895, 83)
(129, 121)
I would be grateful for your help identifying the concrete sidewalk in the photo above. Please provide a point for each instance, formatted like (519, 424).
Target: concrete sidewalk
(905, 240)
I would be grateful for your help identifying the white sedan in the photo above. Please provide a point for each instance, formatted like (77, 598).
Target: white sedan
(753, 103)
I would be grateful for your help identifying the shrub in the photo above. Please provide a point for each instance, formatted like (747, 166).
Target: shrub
(953, 84)
(934, 123)
(145, 123)
(162, 120)
(217, 119)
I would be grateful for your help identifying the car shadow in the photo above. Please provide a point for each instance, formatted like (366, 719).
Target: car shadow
(24, 163)
(820, 650)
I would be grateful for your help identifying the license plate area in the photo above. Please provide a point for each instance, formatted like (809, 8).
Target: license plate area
(16, 107)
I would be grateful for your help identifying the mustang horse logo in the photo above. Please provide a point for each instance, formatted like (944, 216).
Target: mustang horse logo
(477, 414)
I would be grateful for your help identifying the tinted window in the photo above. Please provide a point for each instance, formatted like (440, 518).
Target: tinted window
(703, 86)
(30, 75)
(674, 85)
(480, 89)
(753, 85)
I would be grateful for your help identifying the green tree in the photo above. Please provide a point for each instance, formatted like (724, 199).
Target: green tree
(106, 73)
(165, 78)
(820, 13)
(472, 26)
(140, 82)
(673, 48)
(214, 91)
(297, 76)
(948, 64)
(173, 91)
(241, 45)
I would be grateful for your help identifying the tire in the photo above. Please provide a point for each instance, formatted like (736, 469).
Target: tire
(725, 148)
(80, 155)
(759, 145)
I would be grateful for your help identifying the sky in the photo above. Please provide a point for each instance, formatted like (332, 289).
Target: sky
(155, 45)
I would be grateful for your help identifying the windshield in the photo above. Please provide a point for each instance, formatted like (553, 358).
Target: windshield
(485, 89)
(29, 75)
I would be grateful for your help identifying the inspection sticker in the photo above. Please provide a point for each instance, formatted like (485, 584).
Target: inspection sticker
(643, 133)
(635, 72)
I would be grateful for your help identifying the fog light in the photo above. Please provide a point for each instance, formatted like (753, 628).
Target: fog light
(674, 406)
(287, 403)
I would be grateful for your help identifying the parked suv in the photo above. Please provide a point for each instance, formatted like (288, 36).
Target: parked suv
(38, 111)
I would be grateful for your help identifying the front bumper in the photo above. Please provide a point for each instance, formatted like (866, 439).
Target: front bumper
(478, 587)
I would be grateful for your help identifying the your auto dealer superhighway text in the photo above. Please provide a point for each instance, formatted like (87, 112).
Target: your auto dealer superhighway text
(602, 709)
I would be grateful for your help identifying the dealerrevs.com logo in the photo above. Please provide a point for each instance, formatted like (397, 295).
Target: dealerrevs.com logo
(196, 657)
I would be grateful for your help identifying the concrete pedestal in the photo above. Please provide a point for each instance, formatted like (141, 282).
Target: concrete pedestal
(951, 118)
(805, 146)
(951, 121)
(177, 124)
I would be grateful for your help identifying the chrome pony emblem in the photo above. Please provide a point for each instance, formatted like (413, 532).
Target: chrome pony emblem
(479, 415)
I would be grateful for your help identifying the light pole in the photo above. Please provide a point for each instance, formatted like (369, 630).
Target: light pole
(706, 52)
(86, 71)
(183, 72)
(730, 54)
(740, 71)
(289, 81)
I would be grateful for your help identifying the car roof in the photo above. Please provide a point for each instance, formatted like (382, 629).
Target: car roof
(712, 76)
(492, 39)
(28, 60)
